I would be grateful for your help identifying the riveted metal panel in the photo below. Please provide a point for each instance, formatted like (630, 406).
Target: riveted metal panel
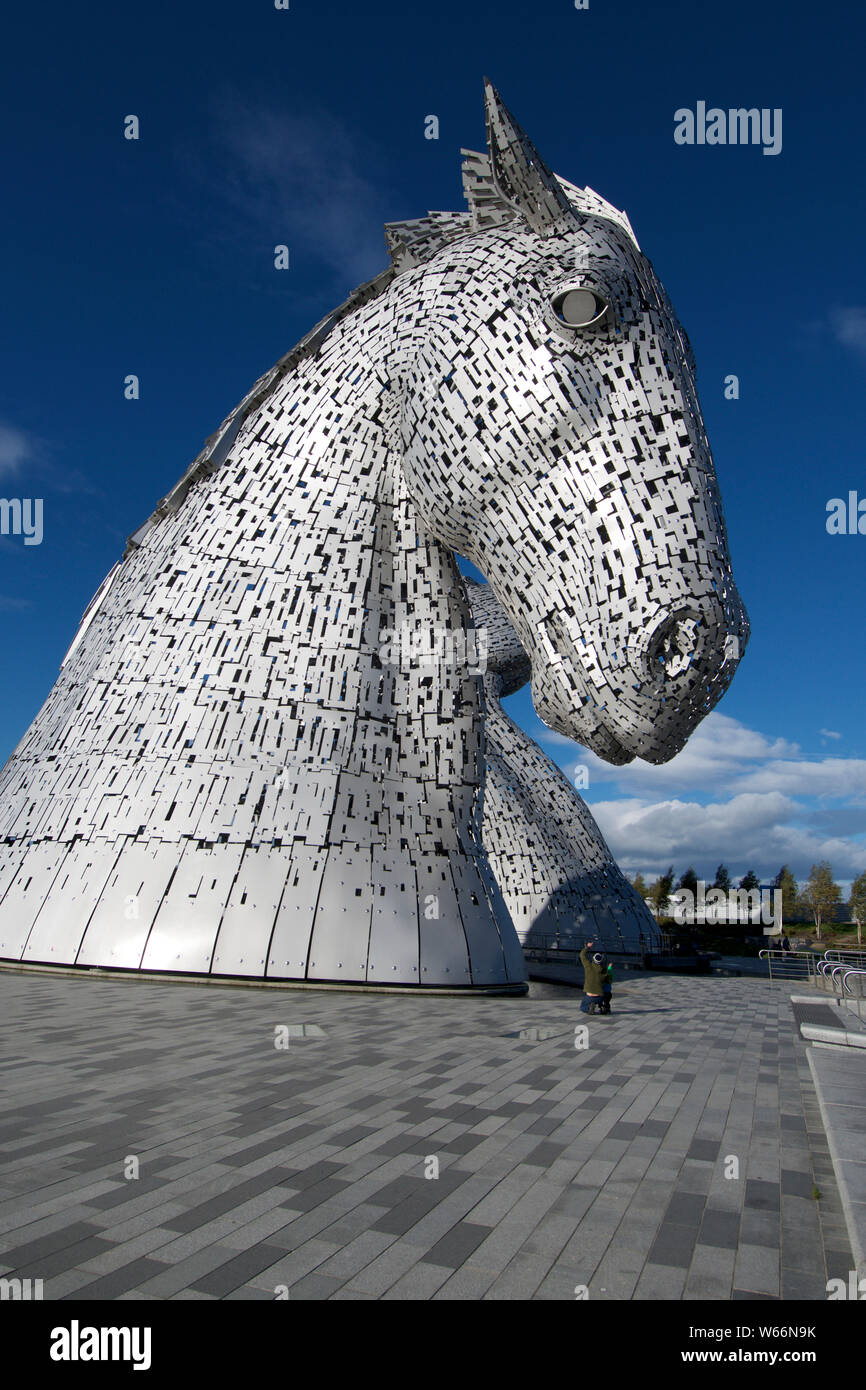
(70, 903)
(118, 930)
(185, 929)
(290, 944)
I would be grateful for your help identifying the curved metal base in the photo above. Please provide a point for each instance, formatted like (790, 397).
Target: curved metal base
(247, 982)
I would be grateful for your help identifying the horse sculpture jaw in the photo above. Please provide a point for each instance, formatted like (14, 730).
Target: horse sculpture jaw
(646, 699)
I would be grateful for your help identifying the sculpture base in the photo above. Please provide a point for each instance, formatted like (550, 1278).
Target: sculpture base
(244, 982)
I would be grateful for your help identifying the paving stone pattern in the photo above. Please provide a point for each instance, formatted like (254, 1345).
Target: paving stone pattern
(305, 1167)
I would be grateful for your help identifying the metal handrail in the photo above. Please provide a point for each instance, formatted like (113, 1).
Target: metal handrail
(788, 966)
(777, 951)
(548, 941)
(834, 971)
(856, 1000)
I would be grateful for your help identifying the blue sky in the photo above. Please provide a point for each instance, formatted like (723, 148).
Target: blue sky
(306, 127)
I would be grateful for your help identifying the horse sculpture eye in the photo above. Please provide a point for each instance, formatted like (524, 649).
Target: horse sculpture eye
(580, 308)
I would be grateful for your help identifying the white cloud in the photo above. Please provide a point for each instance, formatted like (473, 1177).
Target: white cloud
(829, 777)
(829, 733)
(849, 327)
(759, 832)
(719, 752)
(735, 796)
(15, 449)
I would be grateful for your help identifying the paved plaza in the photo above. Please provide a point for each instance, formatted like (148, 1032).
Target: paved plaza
(296, 1161)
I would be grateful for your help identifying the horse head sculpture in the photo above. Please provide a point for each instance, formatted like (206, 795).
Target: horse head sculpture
(567, 457)
(238, 773)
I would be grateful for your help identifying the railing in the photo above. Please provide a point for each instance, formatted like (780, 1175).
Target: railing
(854, 989)
(826, 973)
(853, 957)
(831, 971)
(548, 950)
(791, 966)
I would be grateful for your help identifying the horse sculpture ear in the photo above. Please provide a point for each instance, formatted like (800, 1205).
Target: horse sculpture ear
(520, 174)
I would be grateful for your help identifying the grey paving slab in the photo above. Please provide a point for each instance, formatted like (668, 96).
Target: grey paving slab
(468, 1283)
(757, 1269)
(840, 1083)
(422, 1281)
(711, 1273)
(129, 1276)
(307, 1167)
(719, 1229)
(230, 1274)
(520, 1280)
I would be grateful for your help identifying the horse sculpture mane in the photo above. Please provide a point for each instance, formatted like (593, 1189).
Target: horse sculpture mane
(410, 244)
(249, 768)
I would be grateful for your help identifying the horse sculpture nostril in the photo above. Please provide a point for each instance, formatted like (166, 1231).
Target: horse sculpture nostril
(674, 647)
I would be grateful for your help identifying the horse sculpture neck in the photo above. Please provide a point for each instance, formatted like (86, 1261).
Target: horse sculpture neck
(322, 529)
(268, 770)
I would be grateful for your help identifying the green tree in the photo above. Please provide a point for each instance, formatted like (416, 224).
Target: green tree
(821, 895)
(722, 879)
(661, 891)
(858, 905)
(640, 886)
(786, 883)
(689, 880)
(750, 881)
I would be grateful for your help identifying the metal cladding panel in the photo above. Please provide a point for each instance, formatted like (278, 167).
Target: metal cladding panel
(70, 903)
(394, 945)
(486, 956)
(118, 930)
(248, 922)
(512, 951)
(185, 930)
(290, 944)
(12, 935)
(25, 895)
(341, 935)
(444, 952)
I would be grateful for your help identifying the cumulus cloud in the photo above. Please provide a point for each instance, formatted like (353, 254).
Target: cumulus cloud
(719, 752)
(759, 832)
(734, 795)
(829, 777)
